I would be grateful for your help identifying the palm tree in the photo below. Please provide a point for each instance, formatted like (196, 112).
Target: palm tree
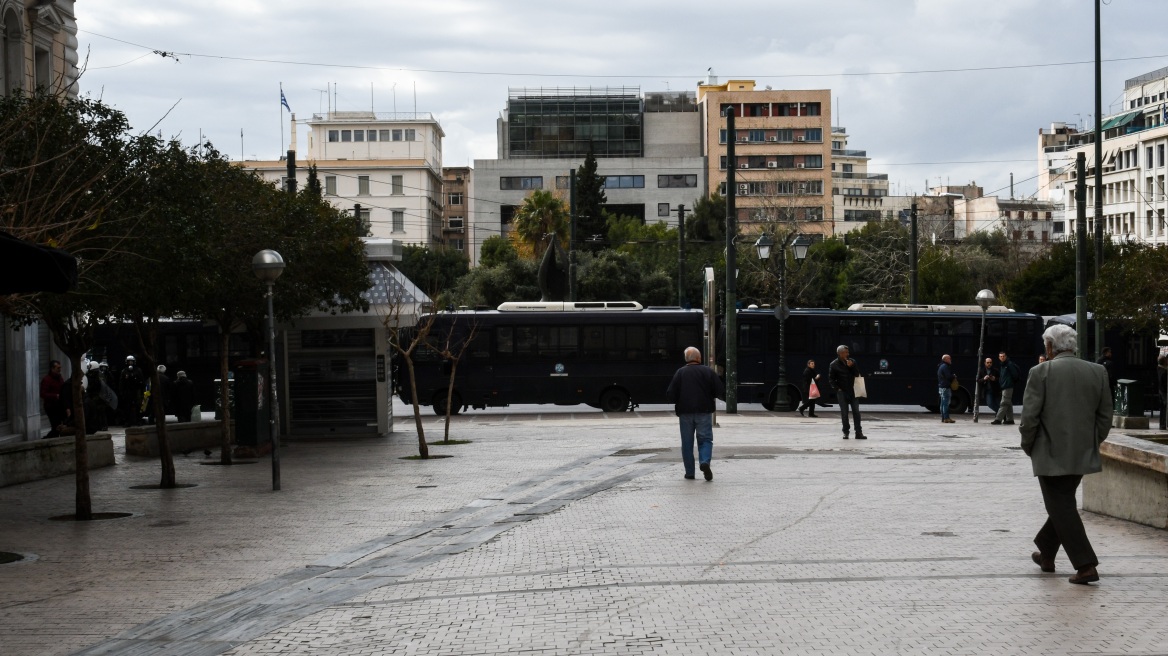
(541, 214)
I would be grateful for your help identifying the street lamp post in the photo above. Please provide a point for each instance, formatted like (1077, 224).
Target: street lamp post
(985, 298)
(799, 245)
(267, 266)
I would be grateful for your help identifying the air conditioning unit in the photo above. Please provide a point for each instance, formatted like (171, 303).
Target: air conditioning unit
(772, 165)
(800, 166)
(743, 166)
(800, 138)
(742, 140)
(772, 138)
(743, 190)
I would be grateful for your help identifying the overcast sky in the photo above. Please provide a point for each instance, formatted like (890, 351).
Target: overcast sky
(892, 66)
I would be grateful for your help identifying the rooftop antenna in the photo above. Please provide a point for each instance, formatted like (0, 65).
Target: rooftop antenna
(321, 99)
(394, 90)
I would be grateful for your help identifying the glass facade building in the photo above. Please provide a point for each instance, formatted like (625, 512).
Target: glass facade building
(566, 122)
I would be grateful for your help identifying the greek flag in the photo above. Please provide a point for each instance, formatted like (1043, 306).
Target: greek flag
(284, 101)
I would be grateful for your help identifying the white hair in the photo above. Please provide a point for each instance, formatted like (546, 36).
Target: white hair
(840, 349)
(1061, 338)
(692, 354)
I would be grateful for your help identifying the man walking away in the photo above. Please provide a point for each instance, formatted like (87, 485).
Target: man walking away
(945, 378)
(184, 397)
(1066, 414)
(1008, 376)
(1109, 365)
(51, 385)
(842, 375)
(692, 392)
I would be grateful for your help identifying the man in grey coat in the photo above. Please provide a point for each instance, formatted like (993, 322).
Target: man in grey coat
(1066, 415)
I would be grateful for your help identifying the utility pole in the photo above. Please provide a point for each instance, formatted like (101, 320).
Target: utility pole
(1081, 255)
(572, 235)
(731, 322)
(681, 256)
(912, 255)
(291, 183)
(1098, 178)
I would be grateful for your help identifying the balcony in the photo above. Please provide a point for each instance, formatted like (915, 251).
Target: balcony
(849, 153)
(859, 176)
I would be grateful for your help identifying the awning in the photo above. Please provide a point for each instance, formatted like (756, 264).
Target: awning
(1120, 121)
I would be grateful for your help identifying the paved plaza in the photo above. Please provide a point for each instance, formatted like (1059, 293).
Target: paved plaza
(572, 532)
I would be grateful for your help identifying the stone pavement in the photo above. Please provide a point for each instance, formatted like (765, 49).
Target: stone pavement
(573, 532)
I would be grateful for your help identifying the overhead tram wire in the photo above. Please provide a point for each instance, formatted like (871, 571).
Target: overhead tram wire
(263, 60)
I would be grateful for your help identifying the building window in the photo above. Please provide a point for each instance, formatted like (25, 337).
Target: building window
(346, 135)
(373, 135)
(624, 182)
(784, 136)
(785, 161)
(1160, 155)
(395, 185)
(848, 168)
(878, 192)
(756, 135)
(853, 191)
(358, 135)
(521, 182)
(455, 198)
(1059, 228)
(334, 136)
(399, 220)
(362, 185)
(454, 222)
(813, 134)
(563, 182)
(722, 135)
(662, 209)
(722, 162)
(397, 135)
(410, 134)
(330, 185)
(814, 187)
(456, 244)
(813, 161)
(383, 135)
(671, 181)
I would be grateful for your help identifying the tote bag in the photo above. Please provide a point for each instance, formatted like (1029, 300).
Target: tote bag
(859, 389)
(813, 391)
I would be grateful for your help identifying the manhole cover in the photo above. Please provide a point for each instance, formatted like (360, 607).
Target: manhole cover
(640, 452)
(169, 522)
(9, 557)
(93, 517)
(156, 486)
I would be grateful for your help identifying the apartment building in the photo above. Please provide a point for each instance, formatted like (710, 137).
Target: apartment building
(457, 210)
(646, 146)
(39, 50)
(1134, 164)
(857, 195)
(389, 164)
(782, 140)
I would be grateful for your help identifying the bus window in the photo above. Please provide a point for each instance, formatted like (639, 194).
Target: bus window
(505, 341)
(614, 342)
(750, 338)
(593, 343)
(661, 342)
(824, 342)
(795, 333)
(525, 341)
(637, 342)
(569, 342)
(479, 347)
(686, 336)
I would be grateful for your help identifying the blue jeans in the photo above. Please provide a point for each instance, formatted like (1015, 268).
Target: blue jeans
(946, 394)
(702, 424)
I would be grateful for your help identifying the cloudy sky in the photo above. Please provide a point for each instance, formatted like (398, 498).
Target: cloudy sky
(939, 90)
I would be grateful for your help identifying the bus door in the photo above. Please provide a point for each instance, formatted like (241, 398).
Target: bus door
(755, 366)
(520, 375)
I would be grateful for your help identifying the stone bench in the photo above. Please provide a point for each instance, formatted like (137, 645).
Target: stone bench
(21, 462)
(187, 436)
(1134, 482)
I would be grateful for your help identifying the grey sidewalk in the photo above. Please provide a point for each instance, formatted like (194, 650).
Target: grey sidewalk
(575, 533)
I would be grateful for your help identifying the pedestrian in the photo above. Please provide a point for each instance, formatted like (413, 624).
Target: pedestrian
(51, 385)
(1109, 365)
(991, 391)
(810, 377)
(1162, 386)
(184, 397)
(1066, 415)
(692, 392)
(94, 405)
(842, 375)
(945, 380)
(164, 392)
(131, 387)
(1041, 359)
(1008, 376)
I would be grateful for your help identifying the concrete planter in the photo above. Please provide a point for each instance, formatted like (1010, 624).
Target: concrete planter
(1134, 482)
(21, 462)
(143, 440)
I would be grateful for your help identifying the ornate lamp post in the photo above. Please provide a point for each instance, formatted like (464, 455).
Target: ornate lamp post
(267, 266)
(800, 245)
(985, 298)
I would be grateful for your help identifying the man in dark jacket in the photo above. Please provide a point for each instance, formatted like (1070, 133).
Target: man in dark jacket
(945, 378)
(184, 397)
(692, 392)
(1008, 377)
(991, 392)
(1066, 415)
(842, 374)
(130, 390)
(51, 386)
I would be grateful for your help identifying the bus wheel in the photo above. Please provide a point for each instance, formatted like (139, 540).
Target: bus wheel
(959, 404)
(614, 400)
(440, 404)
(794, 396)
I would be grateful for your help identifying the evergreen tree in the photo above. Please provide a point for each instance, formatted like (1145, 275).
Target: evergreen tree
(590, 199)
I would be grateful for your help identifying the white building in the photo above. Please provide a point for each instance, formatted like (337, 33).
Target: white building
(388, 163)
(647, 147)
(1134, 164)
(857, 195)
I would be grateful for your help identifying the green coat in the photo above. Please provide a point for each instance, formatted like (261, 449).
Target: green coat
(1066, 415)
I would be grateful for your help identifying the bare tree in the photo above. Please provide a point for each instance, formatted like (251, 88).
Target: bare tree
(453, 346)
(404, 340)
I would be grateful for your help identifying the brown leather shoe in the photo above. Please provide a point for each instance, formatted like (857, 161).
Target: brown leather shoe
(1085, 576)
(1045, 564)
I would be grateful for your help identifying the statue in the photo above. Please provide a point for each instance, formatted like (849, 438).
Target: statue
(553, 272)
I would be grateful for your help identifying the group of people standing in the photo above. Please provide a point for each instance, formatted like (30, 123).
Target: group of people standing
(121, 401)
(1066, 415)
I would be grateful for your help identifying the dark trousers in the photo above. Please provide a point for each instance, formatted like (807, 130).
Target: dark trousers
(808, 404)
(1063, 525)
(846, 400)
(1163, 409)
(56, 419)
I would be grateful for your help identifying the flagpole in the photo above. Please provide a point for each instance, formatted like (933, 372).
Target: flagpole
(281, 117)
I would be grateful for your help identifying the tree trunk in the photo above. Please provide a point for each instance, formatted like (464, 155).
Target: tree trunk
(449, 394)
(83, 503)
(224, 399)
(147, 337)
(422, 450)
